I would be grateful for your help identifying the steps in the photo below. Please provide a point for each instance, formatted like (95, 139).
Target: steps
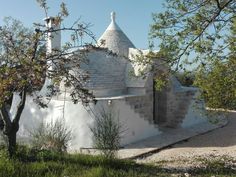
(182, 103)
(141, 105)
(177, 107)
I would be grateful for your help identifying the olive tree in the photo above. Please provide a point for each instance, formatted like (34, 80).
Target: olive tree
(25, 65)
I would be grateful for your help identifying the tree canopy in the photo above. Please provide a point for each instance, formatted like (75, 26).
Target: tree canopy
(25, 64)
(218, 79)
(201, 33)
(196, 28)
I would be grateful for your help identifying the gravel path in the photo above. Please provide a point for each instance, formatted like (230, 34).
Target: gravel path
(220, 143)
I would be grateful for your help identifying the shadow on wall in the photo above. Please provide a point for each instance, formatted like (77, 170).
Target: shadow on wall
(32, 116)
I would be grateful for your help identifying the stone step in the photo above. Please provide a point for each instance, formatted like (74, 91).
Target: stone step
(139, 105)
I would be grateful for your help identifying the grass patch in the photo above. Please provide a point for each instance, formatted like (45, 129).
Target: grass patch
(34, 163)
(216, 165)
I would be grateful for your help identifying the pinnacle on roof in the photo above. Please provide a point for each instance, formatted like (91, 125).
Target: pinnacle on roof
(113, 25)
(115, 39)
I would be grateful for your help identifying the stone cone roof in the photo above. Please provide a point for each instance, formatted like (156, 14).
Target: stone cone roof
(115, 39)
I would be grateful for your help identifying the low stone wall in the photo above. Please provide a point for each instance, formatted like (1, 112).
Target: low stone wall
(171, 106)
(178, 105)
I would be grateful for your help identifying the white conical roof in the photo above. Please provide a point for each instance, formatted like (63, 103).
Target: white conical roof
(115, 39)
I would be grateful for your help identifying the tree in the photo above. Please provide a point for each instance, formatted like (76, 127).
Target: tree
(25, 64)
(197, 32)
(193, 28)
(218, 84)
(218, 80)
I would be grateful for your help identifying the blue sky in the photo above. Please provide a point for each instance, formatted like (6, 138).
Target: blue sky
(133, 16)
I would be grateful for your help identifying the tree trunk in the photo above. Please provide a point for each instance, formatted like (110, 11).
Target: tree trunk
(11, 127)
(1, 124)
(12, 142)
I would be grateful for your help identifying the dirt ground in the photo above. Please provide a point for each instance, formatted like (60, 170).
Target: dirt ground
(217, 144)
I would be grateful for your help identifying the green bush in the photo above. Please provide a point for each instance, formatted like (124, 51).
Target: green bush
(107, 132)
(53, 136)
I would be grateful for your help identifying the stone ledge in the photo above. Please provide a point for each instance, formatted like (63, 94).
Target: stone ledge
(117, 97)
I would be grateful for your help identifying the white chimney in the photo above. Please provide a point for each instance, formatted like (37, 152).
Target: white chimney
(53, 38)
(53, 44)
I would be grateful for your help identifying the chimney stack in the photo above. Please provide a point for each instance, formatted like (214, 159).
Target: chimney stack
(53, 38)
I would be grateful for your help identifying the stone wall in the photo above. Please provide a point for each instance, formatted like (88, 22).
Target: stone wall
(142, 105)
(177, 106)
(172, 104)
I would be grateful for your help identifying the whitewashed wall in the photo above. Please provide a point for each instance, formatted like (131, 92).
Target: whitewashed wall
(137, 127)
(76, 117)
(80, 118)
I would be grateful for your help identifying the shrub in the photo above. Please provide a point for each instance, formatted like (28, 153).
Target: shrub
(107, 132)
(52, 136)
(217, 83)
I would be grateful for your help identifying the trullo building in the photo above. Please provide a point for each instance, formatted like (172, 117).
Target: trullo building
(114, 81)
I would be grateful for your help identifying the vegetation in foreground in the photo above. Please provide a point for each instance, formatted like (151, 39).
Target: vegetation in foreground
(30, 162)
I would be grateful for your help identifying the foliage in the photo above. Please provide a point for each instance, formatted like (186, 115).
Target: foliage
(196, 28)
(218, 80)
(56, 165)
(107, 131)
(218, 84)
(54, 136)
(185, 78)
(162, 80)
(24, 62)
(197, 33)
(53, 164)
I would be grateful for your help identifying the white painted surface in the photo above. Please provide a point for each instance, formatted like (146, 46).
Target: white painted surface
(76, 118)
(54, 38)
(136, 70)
(79, 119)
(115, 39)
(109, 76)
(15, 102)
(137, 127)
